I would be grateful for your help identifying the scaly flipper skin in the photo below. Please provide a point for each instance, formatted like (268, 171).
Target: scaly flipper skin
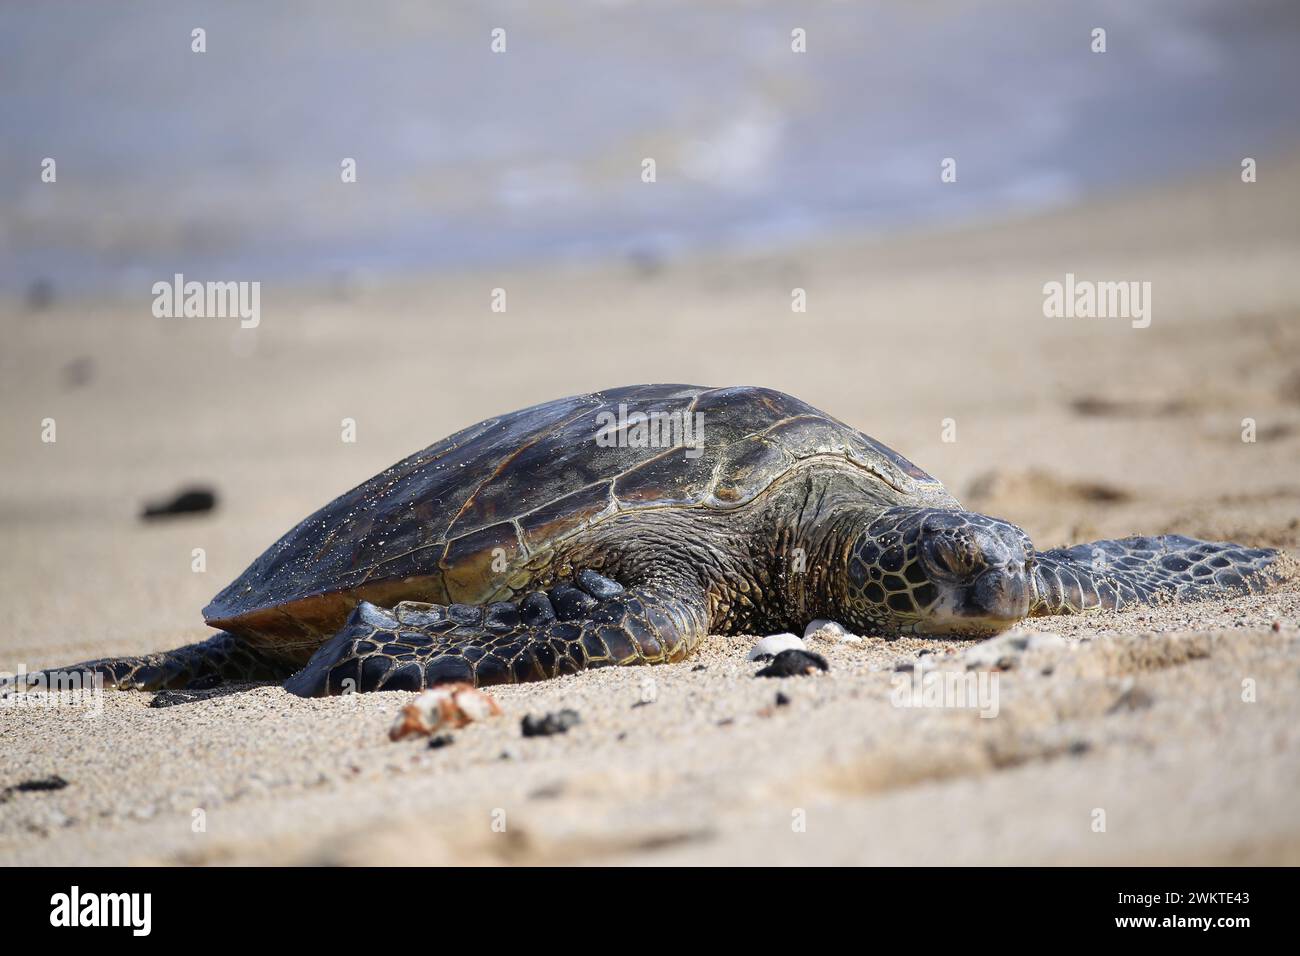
(1146, 570)
(596, 623)
(221, 658)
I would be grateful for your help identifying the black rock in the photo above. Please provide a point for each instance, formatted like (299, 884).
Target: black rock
(189, 501)
(440, 741)
(794, 663)
(38, 785)
(173, 698)
(558, 722)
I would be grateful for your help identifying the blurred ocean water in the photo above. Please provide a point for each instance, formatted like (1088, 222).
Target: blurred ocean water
(226, 164)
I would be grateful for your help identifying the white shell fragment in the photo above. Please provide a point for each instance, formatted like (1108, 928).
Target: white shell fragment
(774, 644)
(825, 630)
(443, 708)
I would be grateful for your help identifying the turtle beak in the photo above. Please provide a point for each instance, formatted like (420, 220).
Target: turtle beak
(999, 595)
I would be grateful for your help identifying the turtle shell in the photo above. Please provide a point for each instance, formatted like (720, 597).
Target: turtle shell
(471, 518)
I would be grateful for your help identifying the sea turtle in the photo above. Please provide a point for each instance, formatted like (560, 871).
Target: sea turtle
(624, 526)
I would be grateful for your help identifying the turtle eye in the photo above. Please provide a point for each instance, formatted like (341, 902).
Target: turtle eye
(951, 555)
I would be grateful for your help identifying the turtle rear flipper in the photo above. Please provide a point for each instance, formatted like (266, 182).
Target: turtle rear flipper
(1146, 570)
(225, 657)
(569, 628)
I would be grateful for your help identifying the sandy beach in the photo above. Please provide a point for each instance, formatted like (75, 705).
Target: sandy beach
(1181, 724)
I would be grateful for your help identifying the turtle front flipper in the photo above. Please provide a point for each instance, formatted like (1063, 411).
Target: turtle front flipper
(1146, 570)
(594, 622)
(225, 657)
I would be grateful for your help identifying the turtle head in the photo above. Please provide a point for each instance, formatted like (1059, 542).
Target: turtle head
(933, 571)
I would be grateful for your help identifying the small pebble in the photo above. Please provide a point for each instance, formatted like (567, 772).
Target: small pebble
(447, 706)
(558, 722)
(782, 700)
(440, 741)
(170, 698)
(794, 663)
(195, 500)
(38, 785)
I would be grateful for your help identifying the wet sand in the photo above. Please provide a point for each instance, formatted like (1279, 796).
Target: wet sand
(1075, 429)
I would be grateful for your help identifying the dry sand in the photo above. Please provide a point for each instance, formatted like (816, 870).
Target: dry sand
(1073, 428)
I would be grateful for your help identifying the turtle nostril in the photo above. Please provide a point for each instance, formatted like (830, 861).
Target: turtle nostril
(999, 593)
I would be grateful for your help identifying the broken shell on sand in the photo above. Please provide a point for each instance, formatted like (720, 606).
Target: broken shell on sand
(443, 708)
(774, 644)
(825, 630)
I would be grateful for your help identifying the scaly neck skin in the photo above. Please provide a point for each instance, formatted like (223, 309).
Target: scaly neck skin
(772, 565)
(815, 528)
(817, 591)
